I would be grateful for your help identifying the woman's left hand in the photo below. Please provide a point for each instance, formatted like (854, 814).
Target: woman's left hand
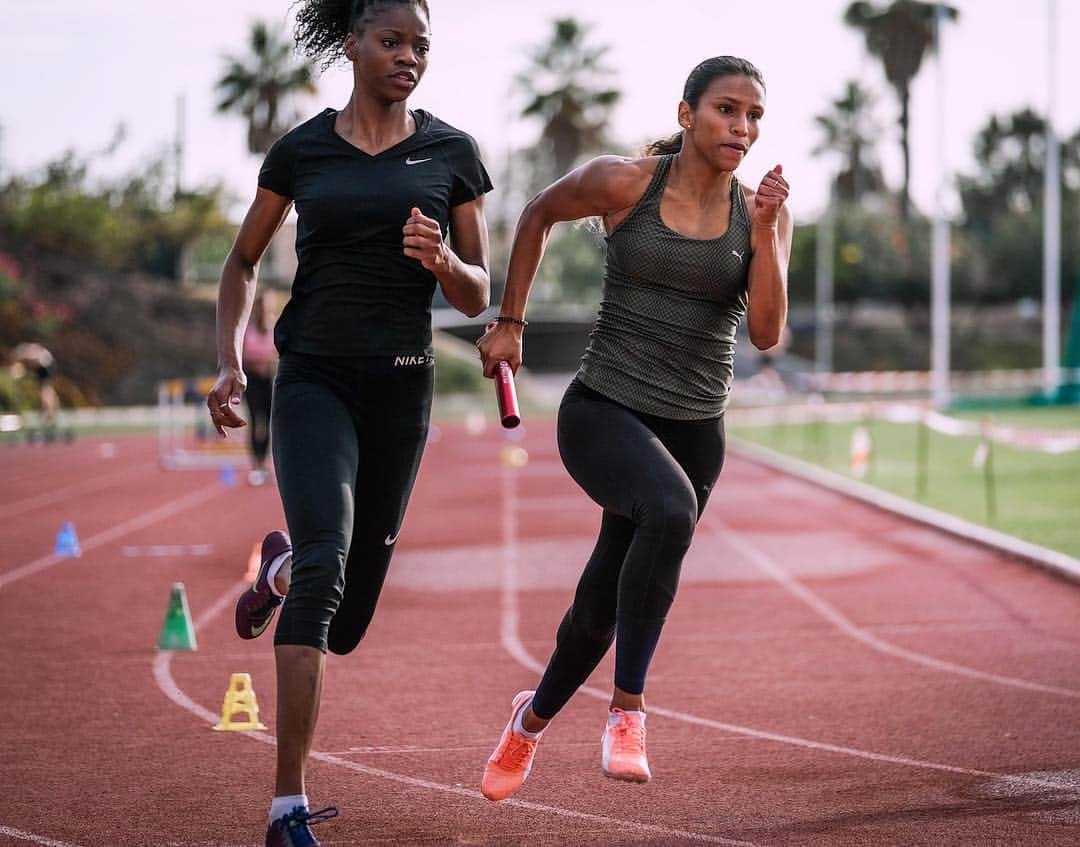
(770, 196)
(424, 242)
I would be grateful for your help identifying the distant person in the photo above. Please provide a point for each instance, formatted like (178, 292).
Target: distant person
(690, 251)
(376, 186)
(259, 359)
(34, 359)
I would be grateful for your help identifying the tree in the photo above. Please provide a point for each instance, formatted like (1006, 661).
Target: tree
(1011, 154)
(850, 130)
(899, 35)
(1003, 207)
(563, 92)
(258, 85)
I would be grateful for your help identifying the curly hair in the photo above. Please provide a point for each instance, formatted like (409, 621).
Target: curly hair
(323, 25)
(701, 78)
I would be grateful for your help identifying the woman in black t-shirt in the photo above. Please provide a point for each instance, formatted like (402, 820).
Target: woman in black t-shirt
(375, 187)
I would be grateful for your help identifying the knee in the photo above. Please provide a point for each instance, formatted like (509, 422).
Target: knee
(671, 515)
(316, 579)
(341, 640)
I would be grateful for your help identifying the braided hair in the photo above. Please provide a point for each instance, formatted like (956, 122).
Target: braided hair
(700, 79)
(323, 25)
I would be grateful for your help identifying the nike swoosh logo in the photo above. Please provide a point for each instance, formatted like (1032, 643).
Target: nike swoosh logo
(391, 539)
(409, 161)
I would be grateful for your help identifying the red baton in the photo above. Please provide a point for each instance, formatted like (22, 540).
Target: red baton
(506, 394)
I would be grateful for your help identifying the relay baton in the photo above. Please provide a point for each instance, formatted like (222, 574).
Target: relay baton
(509, 414)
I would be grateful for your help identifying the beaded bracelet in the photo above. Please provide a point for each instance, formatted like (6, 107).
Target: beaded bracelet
(506, 319)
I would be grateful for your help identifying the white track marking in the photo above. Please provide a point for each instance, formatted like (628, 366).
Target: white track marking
(773, 569)
(512, 644)
(164, 679)
(173, 507)
(158, 551)
(31, 503)
(29, 836)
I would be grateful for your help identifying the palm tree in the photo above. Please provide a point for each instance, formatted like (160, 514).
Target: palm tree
(258, 84)
(899, 34)
(1010, 155)
(561, 87)
(849, 129)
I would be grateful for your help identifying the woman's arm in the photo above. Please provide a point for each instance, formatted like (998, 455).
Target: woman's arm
(600, 187)
(462, 271)
(770, 244)
(235, 295)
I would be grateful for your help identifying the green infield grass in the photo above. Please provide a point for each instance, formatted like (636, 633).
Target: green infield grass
(1029, 494)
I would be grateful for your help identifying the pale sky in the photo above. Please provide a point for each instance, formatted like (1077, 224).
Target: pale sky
(72, 71)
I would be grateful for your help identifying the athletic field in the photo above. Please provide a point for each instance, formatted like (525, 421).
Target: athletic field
(830, 675)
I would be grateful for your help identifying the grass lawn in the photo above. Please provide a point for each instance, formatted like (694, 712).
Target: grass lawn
(1034, 496)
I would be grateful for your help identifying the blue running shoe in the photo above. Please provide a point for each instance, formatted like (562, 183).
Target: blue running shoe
(256, 606)
(292, 829)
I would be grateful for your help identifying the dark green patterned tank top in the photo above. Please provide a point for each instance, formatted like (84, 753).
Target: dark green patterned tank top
(664, 338)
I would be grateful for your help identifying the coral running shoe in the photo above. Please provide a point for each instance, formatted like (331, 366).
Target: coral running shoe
(623, 747)
(256, 606)
(512, 760)
(292, 829)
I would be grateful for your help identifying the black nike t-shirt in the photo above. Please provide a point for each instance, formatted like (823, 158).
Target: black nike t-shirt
(355, 292)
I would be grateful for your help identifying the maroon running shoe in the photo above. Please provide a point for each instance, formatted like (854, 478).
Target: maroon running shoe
(256, 606)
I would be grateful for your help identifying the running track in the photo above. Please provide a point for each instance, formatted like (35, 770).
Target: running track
(830, 674)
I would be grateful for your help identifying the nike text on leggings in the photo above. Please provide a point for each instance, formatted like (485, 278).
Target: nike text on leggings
(347, 435)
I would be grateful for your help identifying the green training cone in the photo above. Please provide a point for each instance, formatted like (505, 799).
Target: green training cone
(177, 633)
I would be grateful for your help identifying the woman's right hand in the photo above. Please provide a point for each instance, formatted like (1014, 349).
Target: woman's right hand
(224, 399)
(501, 342)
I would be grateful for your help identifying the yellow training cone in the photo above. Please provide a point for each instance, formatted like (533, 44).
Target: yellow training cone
(240, 700)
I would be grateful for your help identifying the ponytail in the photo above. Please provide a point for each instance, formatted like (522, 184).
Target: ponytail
(665, 146)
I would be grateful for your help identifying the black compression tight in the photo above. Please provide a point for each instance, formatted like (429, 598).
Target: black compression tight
(258, 395)
(652, 476)
(347, 438)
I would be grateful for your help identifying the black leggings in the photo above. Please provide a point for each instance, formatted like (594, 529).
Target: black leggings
(258, 394)
(347, 437)
(652, 476)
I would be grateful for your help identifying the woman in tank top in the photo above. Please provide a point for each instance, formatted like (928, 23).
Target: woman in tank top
(690, 251)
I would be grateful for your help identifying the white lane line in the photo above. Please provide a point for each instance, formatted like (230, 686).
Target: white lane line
(164, 679)
(60, 494)
(158, 551)
(167, 510)
(773, 569)
(29, 836)
(513, 645)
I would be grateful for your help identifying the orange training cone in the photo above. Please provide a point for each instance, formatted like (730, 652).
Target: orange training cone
(254, 563)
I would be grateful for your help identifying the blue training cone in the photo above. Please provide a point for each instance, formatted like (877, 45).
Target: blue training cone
(67, 542)
(227, 477)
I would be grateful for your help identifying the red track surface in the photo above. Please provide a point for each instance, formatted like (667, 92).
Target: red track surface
(830, 674)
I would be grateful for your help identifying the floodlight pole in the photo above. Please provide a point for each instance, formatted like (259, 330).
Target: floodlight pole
(1051, 218)
(824, 310)
(178, 145)
(941, 246)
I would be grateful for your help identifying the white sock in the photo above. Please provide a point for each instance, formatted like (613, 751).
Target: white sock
(519, 727)
(613, 719)
(281, 806)
(272, 571)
